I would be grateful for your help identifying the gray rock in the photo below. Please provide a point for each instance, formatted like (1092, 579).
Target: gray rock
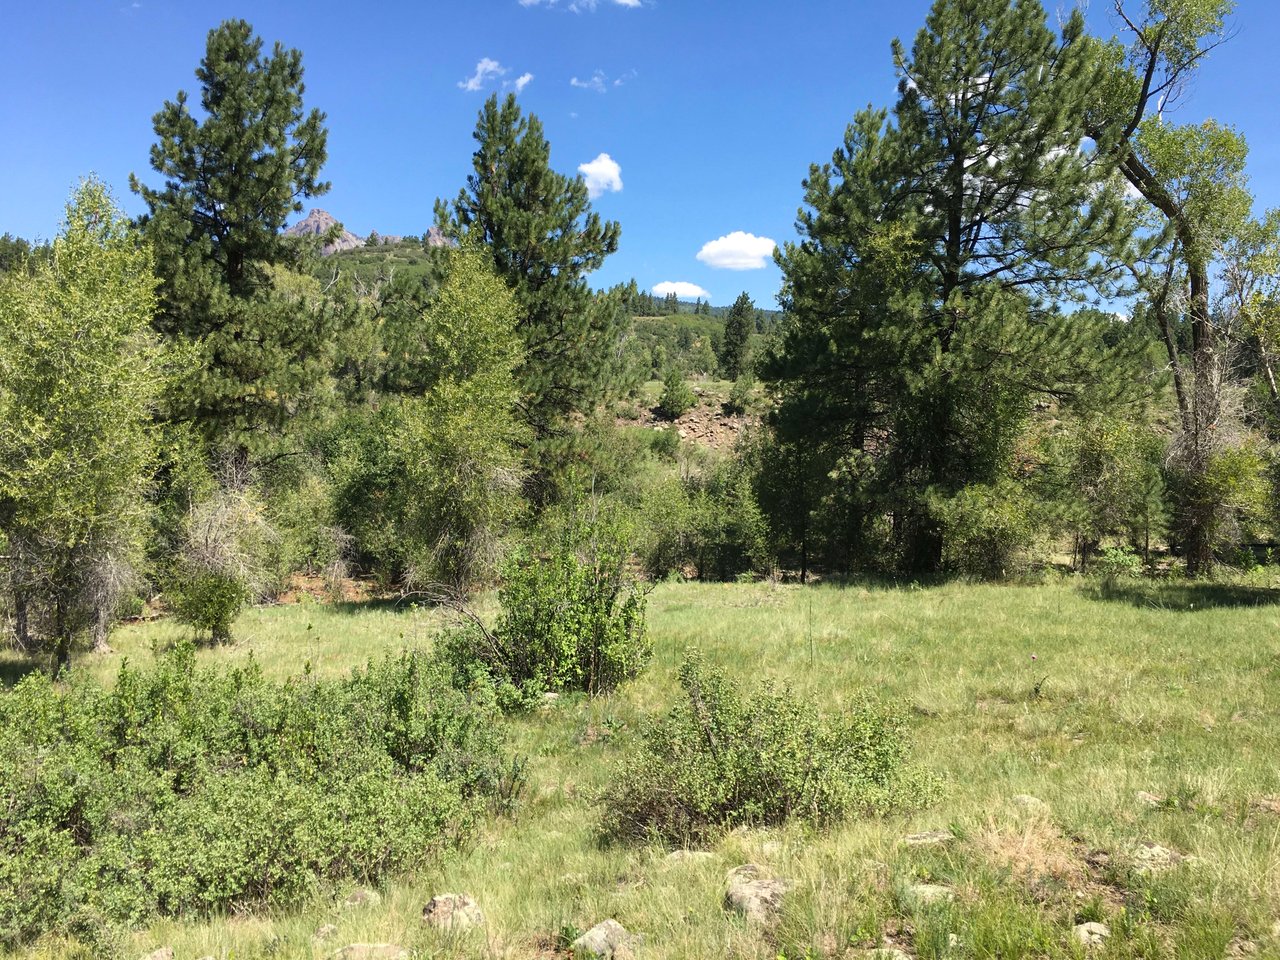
(361, 897)
(372, 951)
(327, 932)
(930, 838)
(1091, 934)
(453, 911)
(754, 894)
(1150, 857)
(164, 953)
(607, 940)
(1029, 803)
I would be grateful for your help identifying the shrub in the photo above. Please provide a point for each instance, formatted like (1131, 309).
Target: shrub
(223, 559)
(987, 529)
(572, 620)
(1116, 563)
(184, 791)
(677, 399)
(740, 395)
(721, 759)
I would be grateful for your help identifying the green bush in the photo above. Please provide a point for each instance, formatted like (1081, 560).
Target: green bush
(1116, 563)
(184, 791)
(741, 395)
(209, 601)
(987, 529)
(573, 620)
(721, 759)
(677, 399)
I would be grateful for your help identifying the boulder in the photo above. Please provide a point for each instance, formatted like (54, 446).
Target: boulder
(1091, 934)
(452, 911)
(754, 894)
(689, 856)
(607, 940)
(360, 897)
(1150, 857)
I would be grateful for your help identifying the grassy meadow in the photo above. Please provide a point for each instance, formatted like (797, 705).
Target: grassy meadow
(1053, 692)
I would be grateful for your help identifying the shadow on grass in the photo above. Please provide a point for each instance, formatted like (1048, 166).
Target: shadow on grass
(14, 666)
(375, 605)
(1186, 597)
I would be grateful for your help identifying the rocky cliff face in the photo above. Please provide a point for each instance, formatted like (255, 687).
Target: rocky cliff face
(319, 222)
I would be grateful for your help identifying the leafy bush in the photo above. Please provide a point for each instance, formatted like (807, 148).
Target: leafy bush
(1116, 563)
(222, 561)
(182, 791)
(573, 620)
(986, 529)
(721, 759)
(677, 399)
(740, 395)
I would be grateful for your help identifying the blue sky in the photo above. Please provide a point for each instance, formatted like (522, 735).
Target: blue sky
(711, 110)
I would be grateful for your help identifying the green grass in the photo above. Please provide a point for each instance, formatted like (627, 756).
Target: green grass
(1173, 690)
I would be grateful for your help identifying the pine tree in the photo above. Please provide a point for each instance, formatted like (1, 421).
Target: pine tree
(544, 239)
(231, 180)
(738, 324)
(936, 250)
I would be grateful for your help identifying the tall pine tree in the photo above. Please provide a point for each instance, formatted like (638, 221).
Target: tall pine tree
(544, 239)
(232, 176)
(937, 249)
(738, 324)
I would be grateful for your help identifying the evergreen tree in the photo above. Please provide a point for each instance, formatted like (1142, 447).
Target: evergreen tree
(231, 180)
(923, 296)
(544, 239)
(738, 324)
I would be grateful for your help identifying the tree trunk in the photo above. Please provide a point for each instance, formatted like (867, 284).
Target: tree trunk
(62, 630)
(101, 628)
(21, 620)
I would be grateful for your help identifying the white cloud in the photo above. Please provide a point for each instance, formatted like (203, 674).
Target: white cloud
(486, 69)
(682, 289)
(596, 83)
(601, 175)
(738, 251)
(523, 81)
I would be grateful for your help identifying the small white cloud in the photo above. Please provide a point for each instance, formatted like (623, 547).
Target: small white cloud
(486, 69)
(682, 289)
(523, 81)
(601, 175)
(738, 251)
(596, 83)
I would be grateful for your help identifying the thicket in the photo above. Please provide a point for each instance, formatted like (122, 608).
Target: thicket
(724, 758)
(179, 790)
(572, 619)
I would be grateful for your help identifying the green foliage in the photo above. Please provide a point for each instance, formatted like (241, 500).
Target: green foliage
(80, 379)
(739, 324)
(222, 561)
(544, 238)
(987, 529)
(677, 398)
(427, 480)
(741, 395)
(722, 759)
(1115, 564)
(263, 334)
(182, 791)
(937, 249)
(573, 620)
